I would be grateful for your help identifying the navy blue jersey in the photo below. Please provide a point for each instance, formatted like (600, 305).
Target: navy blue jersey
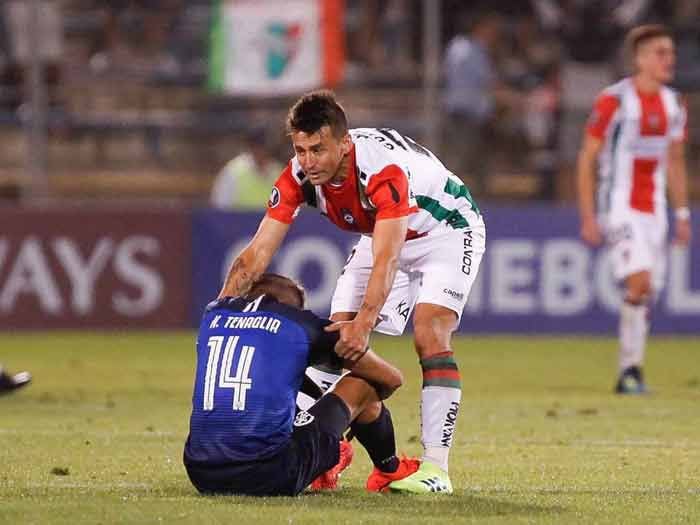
(251, 358)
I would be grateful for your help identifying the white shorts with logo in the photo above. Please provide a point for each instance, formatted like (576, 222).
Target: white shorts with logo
(439, 268)
(637, 242)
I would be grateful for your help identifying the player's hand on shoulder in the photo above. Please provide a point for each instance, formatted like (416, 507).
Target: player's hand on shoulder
(590, 231)
(354, 338)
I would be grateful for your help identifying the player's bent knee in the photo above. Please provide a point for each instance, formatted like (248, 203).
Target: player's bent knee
(370, 413)
(356, 393)
(431, 338)
(636, 298)
(333, 413)
(427, 344)
(638, 288)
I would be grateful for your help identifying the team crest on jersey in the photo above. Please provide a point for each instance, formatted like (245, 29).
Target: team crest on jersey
(274, 197)
(303, 418)
(347, 216)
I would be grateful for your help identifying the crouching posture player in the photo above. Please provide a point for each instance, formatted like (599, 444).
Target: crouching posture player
(244, 437)
(422, 242)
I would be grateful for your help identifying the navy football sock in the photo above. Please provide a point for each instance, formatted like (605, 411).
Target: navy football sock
(378, 439)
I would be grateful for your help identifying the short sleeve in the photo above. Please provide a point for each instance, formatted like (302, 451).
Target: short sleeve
(679, 126)
(285, 198)
(323, 346)
(602, 115)
(389, 191)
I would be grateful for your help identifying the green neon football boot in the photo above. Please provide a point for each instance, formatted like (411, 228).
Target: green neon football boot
(428, 479)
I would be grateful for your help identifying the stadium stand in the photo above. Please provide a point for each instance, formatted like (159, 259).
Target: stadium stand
(135, 118)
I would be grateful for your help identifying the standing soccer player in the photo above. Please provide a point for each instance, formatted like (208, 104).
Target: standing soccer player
(422, 242)
(636, 133)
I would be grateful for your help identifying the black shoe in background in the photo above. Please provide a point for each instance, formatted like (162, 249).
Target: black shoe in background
(9, 383)
(631, 382)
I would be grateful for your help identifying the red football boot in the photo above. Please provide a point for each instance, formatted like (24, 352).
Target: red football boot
(378, 481)
(329, 479)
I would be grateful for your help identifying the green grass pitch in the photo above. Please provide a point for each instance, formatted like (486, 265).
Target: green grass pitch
(97, 438)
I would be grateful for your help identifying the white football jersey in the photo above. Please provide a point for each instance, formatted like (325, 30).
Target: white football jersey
(389, 175)
(637, 129)
(442, 198)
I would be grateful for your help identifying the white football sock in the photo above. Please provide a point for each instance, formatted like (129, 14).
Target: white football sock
(439, 409)
(632, 334)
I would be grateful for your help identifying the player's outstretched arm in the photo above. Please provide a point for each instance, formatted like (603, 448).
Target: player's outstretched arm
(585, 182)
(678, 191)
(383, 376)
(255, 257)
(387, 240)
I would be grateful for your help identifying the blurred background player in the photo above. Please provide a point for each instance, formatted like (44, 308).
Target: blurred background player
(588, 35)
(422, 244)
(10, 382)
(636, 133)
(244, 183)
(251, 357)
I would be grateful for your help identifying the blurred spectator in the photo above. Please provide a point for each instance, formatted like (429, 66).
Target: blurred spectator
(591, 33)
(135, 36)
(21, 41)
(380, 35)
(10, 382)
(396, 30)
(685, 17)
(472, 89)
(7, 96)
(244, 183)
(540, 120)
(530, 65)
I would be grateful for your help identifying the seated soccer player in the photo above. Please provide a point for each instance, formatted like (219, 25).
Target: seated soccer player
(11, 382)
(251, 355)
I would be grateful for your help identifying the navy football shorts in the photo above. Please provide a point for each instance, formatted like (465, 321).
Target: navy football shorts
(313, 448)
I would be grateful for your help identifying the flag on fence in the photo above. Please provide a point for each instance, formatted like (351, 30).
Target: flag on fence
(275, 47)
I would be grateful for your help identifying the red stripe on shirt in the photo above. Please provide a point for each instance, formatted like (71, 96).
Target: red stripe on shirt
(642, 195)
(653, 119)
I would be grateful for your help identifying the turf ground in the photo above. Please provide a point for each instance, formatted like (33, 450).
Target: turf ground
(97, 438)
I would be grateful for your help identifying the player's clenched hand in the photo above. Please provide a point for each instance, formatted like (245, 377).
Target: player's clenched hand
(354, 339)
(683, 234)
(590, 231)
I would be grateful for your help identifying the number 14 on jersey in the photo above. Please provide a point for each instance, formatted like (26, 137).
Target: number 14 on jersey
(240, 382)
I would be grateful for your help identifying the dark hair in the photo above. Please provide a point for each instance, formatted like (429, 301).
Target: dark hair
(641, 34)
(315, 110)
(283, 289)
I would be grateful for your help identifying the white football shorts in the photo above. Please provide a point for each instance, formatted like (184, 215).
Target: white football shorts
(637, 242)
(439, 268)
